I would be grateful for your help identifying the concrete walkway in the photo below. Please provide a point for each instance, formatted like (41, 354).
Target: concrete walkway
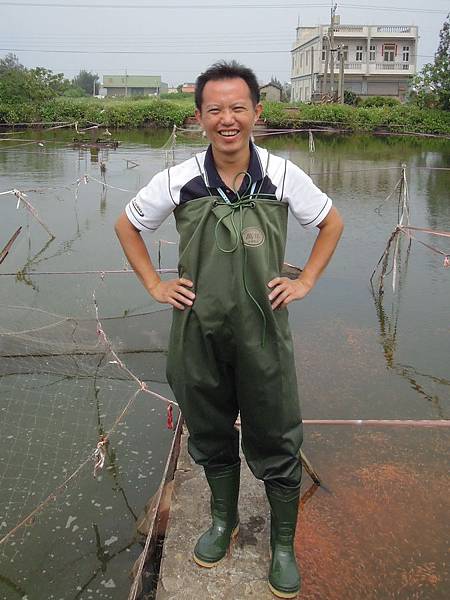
(374, 530)
(240, 576)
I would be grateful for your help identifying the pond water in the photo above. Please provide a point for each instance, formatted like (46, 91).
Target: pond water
(358, 357)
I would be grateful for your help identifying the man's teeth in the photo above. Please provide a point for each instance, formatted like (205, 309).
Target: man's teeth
(229, 133)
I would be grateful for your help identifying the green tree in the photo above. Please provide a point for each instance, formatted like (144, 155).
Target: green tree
(286, 92)
(20, 85)
(10, 63)
(431, 88)
(277, 82)
(54, 83)
(86, 81)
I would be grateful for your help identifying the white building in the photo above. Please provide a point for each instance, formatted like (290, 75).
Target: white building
(380, 60)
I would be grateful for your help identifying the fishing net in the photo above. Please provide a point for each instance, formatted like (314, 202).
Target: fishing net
(76, 413)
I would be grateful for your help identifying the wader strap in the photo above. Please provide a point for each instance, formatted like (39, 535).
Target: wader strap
(247, 200)
(228, 201)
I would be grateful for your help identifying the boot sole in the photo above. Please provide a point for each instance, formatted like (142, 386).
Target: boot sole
(280, 594)
(210, 565)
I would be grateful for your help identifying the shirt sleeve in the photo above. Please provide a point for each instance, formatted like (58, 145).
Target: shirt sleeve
(306, 201)
(152, 204)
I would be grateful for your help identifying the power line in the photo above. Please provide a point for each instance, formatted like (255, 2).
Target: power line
(163, 6)
(145, 51)
(194, 52)
(258, 36)
(220, 6)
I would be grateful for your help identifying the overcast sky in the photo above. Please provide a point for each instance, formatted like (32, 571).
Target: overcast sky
(177, 39)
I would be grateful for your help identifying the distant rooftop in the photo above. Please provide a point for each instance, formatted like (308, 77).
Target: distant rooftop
(122, 81)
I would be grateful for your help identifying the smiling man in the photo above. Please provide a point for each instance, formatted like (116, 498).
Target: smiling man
(230, 345)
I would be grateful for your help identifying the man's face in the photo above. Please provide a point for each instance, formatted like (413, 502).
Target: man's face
(227, 115)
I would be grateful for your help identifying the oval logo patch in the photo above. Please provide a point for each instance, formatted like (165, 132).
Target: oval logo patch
(253, 236)
(137, 208)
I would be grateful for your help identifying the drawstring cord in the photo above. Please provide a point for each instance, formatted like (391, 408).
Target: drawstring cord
(247, 200)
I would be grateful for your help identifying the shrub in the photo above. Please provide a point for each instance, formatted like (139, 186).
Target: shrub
(379, 101)
(351, 98)
(399, 118)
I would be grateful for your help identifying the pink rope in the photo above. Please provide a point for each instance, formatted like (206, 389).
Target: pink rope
(425, 230)
(381, 422)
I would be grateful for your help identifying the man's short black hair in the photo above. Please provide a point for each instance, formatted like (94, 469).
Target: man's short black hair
(226, 70)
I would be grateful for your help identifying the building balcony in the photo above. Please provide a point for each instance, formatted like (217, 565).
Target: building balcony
(351, 31)
(372, 31)
(393, 31)
(362, 68)
(392, 67)
(355, 66)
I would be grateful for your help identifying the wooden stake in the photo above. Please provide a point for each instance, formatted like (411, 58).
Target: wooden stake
(309, 469)
(7, 248)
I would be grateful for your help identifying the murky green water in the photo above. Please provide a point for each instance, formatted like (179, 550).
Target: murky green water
(356, 359)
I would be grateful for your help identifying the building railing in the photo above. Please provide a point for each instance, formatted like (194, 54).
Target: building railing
(338, 28)
(353, 66)
(393, 29)
(392, 66)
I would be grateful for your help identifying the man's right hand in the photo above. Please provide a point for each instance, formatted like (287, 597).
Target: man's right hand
(174, 292)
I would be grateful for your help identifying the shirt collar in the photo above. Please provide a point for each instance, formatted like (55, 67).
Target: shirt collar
(213, 179)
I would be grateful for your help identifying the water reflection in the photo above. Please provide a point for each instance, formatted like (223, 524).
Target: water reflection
(353, 362)
(382, 533)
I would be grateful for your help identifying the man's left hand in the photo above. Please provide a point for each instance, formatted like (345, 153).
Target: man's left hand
(286, 290)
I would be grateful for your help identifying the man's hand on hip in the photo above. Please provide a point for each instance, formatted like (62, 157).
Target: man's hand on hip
(174, 292)
(286, 290)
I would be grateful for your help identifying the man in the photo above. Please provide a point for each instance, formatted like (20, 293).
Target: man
(230, 346)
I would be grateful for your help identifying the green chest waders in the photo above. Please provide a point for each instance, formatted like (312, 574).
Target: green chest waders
(230, 351)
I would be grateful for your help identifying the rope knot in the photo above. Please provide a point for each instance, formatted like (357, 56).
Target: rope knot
(100, 454)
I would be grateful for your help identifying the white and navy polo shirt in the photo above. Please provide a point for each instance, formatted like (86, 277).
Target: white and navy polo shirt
(197, 177)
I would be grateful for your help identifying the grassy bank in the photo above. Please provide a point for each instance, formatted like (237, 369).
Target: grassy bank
(166, 113)
(110, 113)
(401, 118)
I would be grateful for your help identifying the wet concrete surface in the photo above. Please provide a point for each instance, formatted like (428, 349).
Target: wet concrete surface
(377, 530)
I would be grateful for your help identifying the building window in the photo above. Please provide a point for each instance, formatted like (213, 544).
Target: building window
(306, 94)
(389, 52)
(300, 94)
(344, 50)
(405, 53)
(307, 58)
(359, 53)
(301, 60)
(372, 52)
(324, 48)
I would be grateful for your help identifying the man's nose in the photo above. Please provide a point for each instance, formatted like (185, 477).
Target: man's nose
(227, 117)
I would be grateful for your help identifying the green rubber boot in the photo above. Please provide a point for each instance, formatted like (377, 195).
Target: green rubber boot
(213, 545)
(284, 576)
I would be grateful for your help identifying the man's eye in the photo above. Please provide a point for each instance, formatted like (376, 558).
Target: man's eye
(239, 108)
(213, 111)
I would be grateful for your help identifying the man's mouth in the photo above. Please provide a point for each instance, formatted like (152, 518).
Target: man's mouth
(229, 132)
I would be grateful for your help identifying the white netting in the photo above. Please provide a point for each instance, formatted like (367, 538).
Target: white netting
(69, 401)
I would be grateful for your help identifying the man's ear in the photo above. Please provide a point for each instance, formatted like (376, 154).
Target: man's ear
(258, 111)
(198, 116)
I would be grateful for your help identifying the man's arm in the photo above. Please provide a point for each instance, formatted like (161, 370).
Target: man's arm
(286, 290)
(173, 291)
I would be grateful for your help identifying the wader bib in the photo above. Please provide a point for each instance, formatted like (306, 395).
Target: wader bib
(230, 351)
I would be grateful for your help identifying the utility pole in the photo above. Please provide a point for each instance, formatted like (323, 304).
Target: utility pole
(332, 49)
(325, 74)
(341, 74)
